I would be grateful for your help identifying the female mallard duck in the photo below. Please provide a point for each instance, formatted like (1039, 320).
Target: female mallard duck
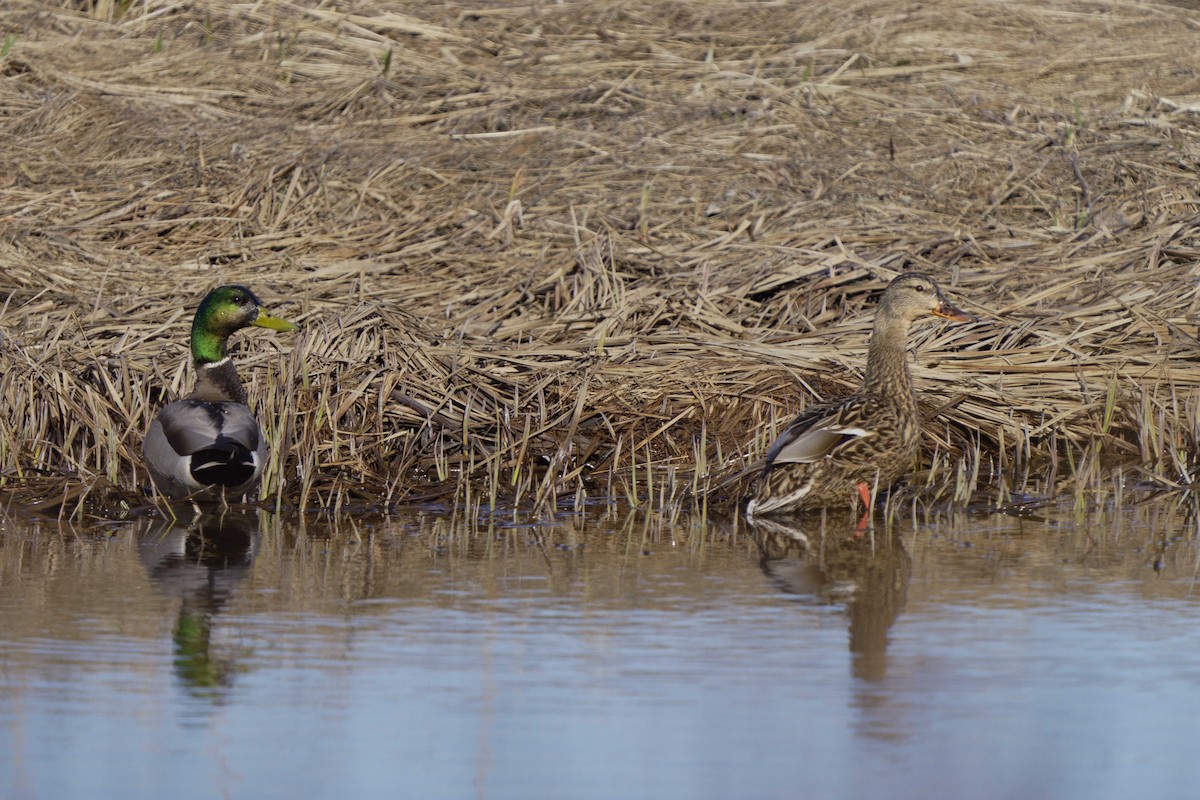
(209, 445)
(834, 450)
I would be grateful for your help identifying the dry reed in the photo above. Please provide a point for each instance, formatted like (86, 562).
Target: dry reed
(556, 253)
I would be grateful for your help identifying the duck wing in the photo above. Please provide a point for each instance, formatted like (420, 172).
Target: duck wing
(194, 444)
(189, 426)
(826, 431)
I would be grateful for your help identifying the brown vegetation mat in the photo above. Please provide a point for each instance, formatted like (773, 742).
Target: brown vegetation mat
(588, 249)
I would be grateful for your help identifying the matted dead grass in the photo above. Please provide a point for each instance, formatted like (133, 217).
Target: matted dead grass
(583, 250)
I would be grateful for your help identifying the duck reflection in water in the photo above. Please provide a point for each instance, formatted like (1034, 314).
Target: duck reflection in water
(826, 560)
(200, 563)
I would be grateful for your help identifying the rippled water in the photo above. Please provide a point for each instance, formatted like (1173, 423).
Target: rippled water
(602, 656)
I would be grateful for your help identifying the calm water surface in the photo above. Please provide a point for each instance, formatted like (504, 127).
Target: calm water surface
(611, 655)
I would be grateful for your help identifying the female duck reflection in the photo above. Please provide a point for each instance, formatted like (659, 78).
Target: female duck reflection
(869, 574)
(200, 563)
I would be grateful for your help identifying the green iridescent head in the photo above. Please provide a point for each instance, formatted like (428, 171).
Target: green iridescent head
(224, 310)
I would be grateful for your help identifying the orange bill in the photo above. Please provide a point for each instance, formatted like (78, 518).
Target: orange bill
(947, 311)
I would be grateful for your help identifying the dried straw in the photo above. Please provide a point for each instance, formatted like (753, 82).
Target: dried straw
(584, 250)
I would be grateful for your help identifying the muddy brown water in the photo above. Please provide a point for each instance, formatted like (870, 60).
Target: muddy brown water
(602, 655)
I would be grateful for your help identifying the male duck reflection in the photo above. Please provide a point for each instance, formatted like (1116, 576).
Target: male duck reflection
(833, 451)
(200, 565)
(208, 446)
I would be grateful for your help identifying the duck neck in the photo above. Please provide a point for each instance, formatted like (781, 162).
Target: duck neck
(887, 361)
(216, 378)
(218, 381)
(208, 346)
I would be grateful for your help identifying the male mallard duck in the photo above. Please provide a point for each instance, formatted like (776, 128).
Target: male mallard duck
(834, 450)
(209, 444)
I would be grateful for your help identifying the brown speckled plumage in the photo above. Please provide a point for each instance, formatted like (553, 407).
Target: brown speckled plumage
(870, 437)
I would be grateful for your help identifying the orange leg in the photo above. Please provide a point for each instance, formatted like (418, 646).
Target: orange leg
(864, 494)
